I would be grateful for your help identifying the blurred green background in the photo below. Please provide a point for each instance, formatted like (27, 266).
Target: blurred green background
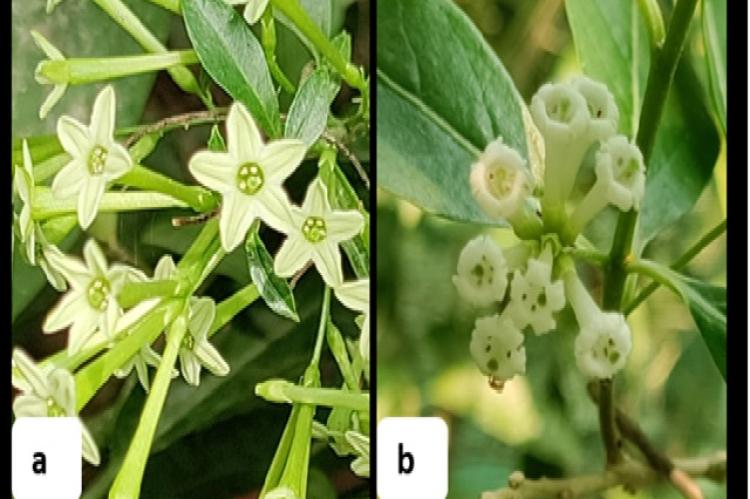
(544, 422)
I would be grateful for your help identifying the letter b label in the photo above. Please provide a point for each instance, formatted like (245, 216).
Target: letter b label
(412, 458)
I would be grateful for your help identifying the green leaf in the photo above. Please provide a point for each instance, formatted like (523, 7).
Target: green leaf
(308, 113)
(319, 11)
(274, 290)
(216, 140)
(442, 97)
(233, 57)
(714, 16)
(707, 304)
(612, 47)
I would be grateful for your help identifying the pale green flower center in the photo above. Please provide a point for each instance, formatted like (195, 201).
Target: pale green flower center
(483, 269)
(53, 409)
(560, 110)
(97, 160)
(501, 181)
(250, 178)
(314, 229)
(98, 293)
(188, 342)
(626, 169)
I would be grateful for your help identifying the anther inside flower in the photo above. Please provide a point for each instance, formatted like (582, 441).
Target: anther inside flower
(481, 277)
(603, 345)
(499, 181)
(497, 347)
(601, 106)
(250, 178)
(97, 160)
(534, 296)
(314, 229)
(98, 293)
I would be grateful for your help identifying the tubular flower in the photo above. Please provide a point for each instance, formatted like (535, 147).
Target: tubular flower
(91, 303)
(620, 181)
(96, 158)
(314, 232)
(497, 347)
(196, 351)
(534, 297)
(604, 341)
(482, 273)
(561, 115)
(603, 112)
(48, 392)
(501, 184)
(248, 176)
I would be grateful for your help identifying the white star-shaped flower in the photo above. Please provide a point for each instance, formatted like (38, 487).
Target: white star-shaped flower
(48, 392)
(91, 304)
(196, 351)
(355, 295)
(497, 347)
(96, 158)
(314, 233)
(248, 176)
(482, 274)
(534, 298)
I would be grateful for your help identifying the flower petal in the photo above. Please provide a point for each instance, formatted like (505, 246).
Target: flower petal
(190, 367)
(165, 267)
(202, 314)
(244, 141)
(316, 199)
(280, 158)
(211, 358)
(62, 388)
(215, 170)
(29, 406)
(102, 126)
(71, 268)
(65, 312)
(67, 182)
(275, 209)
(118, 163)
(253, 10)
(89, 199)
(82, 330)
(90, 450)
(294, 253)
(30, 373)
(355, 295)
(142, 372)
(343, 225)
(94, 258)
(327, 259)
(237, 215)
(74, 137)
(52, 98)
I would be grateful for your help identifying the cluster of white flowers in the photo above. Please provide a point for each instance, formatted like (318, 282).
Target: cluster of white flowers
(527, 284)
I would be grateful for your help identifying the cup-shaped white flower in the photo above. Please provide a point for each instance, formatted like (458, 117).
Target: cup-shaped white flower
(23, 181)
(482, 274)
(96, 157)
(355, 295)
(620, 181)
(315, 232)
(91, 303)
(196, 351)
(248, 176)
(501, 183)
(48, 392)
(561, 115)
(58, 90)
(534, 297)
(603, 113)
(604, 341)
(497, 347)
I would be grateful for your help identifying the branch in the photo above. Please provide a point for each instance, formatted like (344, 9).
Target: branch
(629, 473)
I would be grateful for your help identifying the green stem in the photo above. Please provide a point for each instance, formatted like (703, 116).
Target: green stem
(78, 71)
(232, 306)
(282, 391)
(678, 264)
(661, 74)
(122, 14)
(135, 292)
(324, 317)
(46, 205)
(198, 198)
(127, 484)
(294, 11)
(170, 5)
(607, 422)
(268, 39)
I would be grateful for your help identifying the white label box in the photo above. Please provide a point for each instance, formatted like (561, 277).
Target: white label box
(46, 458)
(412, 458)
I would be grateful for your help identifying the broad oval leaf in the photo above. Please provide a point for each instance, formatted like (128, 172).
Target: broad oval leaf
(308, 113)
(612, 47)
(274, 290)
(443, 95)
(233, 57)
